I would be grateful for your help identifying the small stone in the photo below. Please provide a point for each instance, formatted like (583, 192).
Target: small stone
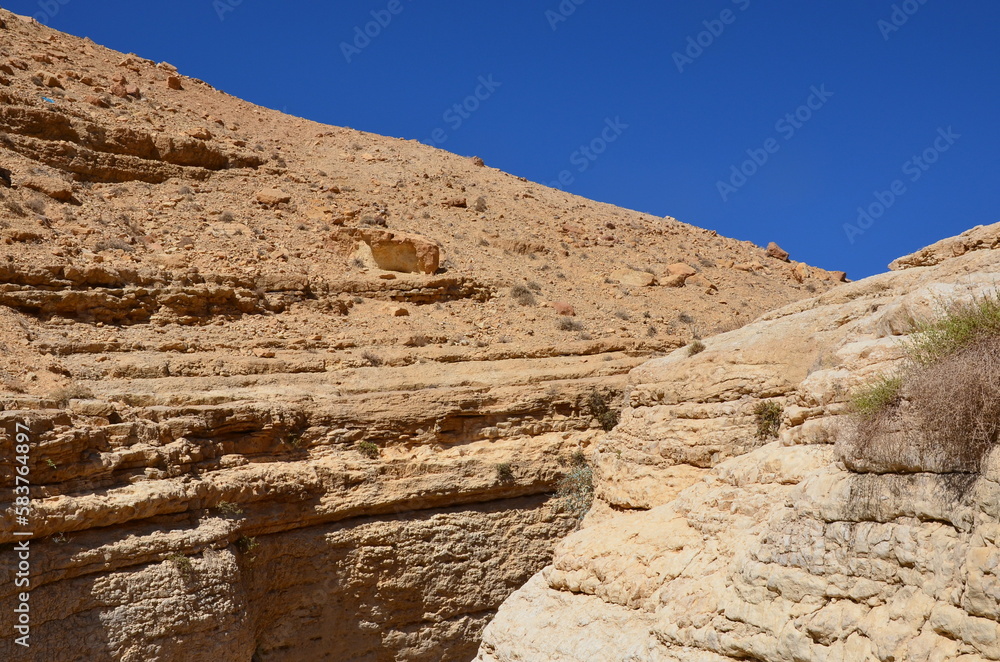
(272, 196)
(634, 278)
(401, 312)
(563, 308)
(456, 202)
(702, 283)
(5, 178)
(478, 162)
(775, 251)
(262, 353)
(119, 90)
(174, 83)
(674, 280)
(100, 102)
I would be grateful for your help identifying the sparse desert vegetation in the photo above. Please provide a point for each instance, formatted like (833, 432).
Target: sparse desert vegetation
(942, 407)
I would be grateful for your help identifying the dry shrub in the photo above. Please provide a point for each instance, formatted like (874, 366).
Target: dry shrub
(946, 417)
(602, 411)
(372, 359)
(522, 295)
(568, 324)
(767, 416)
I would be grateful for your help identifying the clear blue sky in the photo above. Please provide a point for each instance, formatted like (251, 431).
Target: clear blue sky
(894, 85)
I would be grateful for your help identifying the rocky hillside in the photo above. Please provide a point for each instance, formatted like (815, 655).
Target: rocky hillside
(709, 544)
(299, 392)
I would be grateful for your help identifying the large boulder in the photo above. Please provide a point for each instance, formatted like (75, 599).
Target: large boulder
(777, 252)
(55, 188)
(397, 251)
(677, 274)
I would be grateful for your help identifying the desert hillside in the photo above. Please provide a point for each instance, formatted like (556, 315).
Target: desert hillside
(299, 392)
(808, 488)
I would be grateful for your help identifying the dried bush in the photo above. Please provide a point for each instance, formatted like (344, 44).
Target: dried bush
(942, 416)
(372, 359)
(505, 472)
(13, 207)
(569, 324)
(229, 508)
(576, 490)
(962, 325)
(522, 295)
(602, 411)
(369, 450)
(36, 205)
(941, 412)
(696, 347)
(71, 392)
(767, 416)
(182, 563)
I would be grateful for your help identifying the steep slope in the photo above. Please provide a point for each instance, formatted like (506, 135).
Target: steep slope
(708, 544)
(298, 392)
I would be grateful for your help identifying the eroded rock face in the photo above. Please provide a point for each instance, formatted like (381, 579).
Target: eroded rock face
(400, 251)
(983, 237)
(392, 251)
(243, 526)
(243, 449)
(738, 548)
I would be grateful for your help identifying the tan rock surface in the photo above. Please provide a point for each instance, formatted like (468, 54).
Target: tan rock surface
(725, 547)
(240, 450)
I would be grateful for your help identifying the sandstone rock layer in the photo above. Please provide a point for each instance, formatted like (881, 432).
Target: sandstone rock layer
(709, 544)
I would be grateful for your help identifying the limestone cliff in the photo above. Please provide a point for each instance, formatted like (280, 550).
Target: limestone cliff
(296, 391)
(708, 545)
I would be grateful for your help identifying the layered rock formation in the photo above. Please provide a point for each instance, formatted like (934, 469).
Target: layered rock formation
(298, 392)
(708, 544)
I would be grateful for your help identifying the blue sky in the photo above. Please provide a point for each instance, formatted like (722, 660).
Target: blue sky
(893, 105)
